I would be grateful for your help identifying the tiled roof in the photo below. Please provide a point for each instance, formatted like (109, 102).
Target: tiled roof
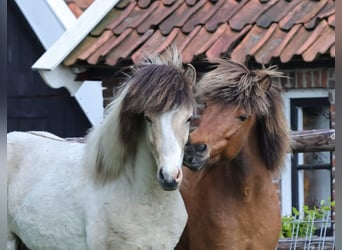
(78, 6)
(242, 29)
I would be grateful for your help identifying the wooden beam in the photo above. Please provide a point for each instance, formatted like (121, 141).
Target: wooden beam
(315, 140)
(72, 37)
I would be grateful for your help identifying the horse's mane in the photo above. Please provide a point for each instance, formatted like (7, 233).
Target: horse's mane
(233, 83)
(156, 85)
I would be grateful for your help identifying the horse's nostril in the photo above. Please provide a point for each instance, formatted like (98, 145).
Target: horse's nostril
(161, 176)
(200, 147)
(179, 176)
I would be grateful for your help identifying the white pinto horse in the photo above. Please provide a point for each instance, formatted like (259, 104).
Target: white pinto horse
(108, 193)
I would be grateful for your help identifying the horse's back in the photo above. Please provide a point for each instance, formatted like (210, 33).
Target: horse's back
(34, 151)
(44, 182)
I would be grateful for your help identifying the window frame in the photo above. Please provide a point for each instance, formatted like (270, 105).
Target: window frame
(296, 103)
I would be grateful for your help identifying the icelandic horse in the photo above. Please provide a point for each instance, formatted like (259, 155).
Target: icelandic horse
(119, 189)
(242, 140)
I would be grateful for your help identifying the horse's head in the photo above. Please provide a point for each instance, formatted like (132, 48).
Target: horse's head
(237, 101)
(160, 99)
(168, 131)
(222, 131)
(167, 134)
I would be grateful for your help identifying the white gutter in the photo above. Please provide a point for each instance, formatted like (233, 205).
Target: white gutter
(60, 32)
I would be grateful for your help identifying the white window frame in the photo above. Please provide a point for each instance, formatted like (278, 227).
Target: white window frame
(286, 180)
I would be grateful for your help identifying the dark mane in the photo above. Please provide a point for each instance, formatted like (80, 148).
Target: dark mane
(153, 88)
(157, 85)
(233, 83)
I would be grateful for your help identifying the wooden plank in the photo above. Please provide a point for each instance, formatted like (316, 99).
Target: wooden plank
(315, 140)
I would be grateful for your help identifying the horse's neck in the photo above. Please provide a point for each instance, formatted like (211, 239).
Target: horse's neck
(247, 173)
(109, 161)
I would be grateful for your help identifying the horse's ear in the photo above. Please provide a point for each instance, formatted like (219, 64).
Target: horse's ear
(190, 73)
(265, 83)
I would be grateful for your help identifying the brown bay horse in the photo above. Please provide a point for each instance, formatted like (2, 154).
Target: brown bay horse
(241, 141)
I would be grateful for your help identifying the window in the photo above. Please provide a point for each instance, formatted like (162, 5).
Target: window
(311, 171)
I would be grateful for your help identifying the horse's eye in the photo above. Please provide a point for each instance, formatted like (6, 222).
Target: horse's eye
(189, 119)
(148, 119)
(242, 117)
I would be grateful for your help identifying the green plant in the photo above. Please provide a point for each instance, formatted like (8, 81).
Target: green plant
(293, 226)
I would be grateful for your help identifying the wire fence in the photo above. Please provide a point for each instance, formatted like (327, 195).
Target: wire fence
(310, 233)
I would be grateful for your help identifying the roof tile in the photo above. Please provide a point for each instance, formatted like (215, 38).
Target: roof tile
(179, 39)
(321, 45)
(253, 37)
(127, 47)
(224, 14)
(201, 42)
(202, 15)
(296, 41)
(169, 2)
(302, 13)
(249, 13)
(242, 29)
(80, 49)
(191, 2)
(188, 38)
(75, 9)
(106, 36)
(156, 43)
(106, 47)
(276, 13)
(83, 3)
(110, 20)
(263, 39)
(313, 37)
(125, 13)
(161, 12)
(276, 42)
(286, 40)
(226, 41)
(331, 20)
(327, 11)
(179, 17)
(122, 4)
(144, 3)
(136, 17)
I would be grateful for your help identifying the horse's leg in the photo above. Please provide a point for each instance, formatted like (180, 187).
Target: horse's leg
(12, 243)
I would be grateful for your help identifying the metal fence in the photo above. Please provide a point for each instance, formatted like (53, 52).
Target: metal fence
(310, 233)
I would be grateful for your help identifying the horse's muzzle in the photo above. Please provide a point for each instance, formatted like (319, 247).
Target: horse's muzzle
(171, 183)
(195, 156)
